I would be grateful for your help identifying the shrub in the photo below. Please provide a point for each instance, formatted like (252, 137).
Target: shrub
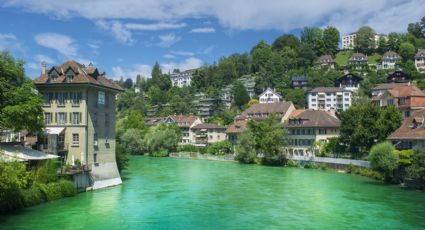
(220, 148)
(311, 165)
(292, 163)
(245, 149)
(417, 169)
(351, 169)
(67, 188)
(162, 140)
(187, 148)
(32, 196)
(383, 159)
(13, 178)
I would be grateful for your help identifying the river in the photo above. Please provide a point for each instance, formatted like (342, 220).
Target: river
(164, 193)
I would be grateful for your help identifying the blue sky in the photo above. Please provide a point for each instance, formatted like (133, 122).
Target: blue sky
(126, 37)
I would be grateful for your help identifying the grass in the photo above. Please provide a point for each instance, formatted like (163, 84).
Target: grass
(374, 59)
(341, 57)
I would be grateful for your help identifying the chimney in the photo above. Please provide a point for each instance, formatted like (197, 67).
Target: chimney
(43, 67)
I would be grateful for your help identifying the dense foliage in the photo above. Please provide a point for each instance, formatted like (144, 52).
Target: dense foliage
(383, 159)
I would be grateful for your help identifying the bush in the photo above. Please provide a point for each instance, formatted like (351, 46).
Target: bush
(311, 165)
(187, 148)
(32, 196)
(162, 140)
(417, 169)
(132, 142)
(351, 169)
(383, 159)
(120, 157)
(220, 148)
(245, 149)
(292, 163)
(13, 178)
(67, 188)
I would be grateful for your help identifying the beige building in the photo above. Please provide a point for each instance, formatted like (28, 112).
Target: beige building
(348, 41)
(308, 130)
(206, 134)
(411, 134)
(420, 60)
(185, 123)
(79, 113)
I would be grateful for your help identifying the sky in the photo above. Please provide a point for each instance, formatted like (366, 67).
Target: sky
(126, 37)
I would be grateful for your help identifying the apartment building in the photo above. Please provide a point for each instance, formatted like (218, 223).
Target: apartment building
(329, 98)
(180, 79)
(185, 123)
(348, 41)
(206, 134)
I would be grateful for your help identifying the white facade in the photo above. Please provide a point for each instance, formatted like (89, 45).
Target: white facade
(420, 60)
(348, 40)
(389, 59)
(328, 99)
(269, 96)
(181, 79)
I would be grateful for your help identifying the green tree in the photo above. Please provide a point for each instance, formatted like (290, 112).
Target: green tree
(245, 148)
(286, 40)
(313, 37)
(415, 29)
(220, 148)
(407, 51)
(393, 41)
(365, 40)
(383, 159)
(417, 169)
(330, 40)
(382, 45)
(240, 95)
(20, 104)
(297, 96)
(131, 141)
(260, 54)
(161, 140)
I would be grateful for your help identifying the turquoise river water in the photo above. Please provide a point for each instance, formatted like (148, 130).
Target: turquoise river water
(164, 193)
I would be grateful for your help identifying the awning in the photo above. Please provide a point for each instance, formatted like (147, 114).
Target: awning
(17, 152)
(54, 130)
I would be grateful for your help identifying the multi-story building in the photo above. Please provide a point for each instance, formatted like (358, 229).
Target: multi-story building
(308, 130)
(79, 114)
(384, 87)
(420, 60)
(249, 82)
(269, 96)
(411, 134)
(348, 41)
(358, 61)
(206, 134)
(226, 96)
(329, 98)
(185, 123)
(205, 106)
(398, 76)
(181, 79)
(389, 59)
(349, 82)
(300, 82)
(235, 129)
(405, 98)
(326, 61)
(281, 110)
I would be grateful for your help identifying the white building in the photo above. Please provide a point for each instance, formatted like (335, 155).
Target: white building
(269, 96)
(389, 59)
(420, 60)
(182, 78)
(329, 98)
(185, 123)
(348, 40)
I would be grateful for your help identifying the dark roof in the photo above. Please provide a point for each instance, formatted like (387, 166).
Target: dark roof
(327, 90)
(398, 76)
(82, 75)
(390, 55)
(237, 127)
(208, 126)
(386, 86)
(420, 53)
(348, 78)
(325, 59)
(412, 128)
(313, 118)
(357, 56)
(154, 120)
(267, 108)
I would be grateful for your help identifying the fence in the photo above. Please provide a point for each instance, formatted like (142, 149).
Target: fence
(330, 160)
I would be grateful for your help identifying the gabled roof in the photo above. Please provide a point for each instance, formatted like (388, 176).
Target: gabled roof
(237, 127)
(358, 56)
(398, 76)
(154, 120)
(83, 75)
(270, 90)
(420, 53)
(390, 55)
(267, 108)
(348, 78)
(328, 90)
(208, 126)
(313, 118)
(386, 86)
(183, 120)
(325, 59)
(412, 128)
(406, 91)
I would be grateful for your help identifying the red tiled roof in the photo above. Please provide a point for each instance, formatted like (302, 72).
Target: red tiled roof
(87, 75)
(183, 120)
(406, 91)
(279, 108)
(314, 118)
(412, 128)
(208, 126)
(237, 127)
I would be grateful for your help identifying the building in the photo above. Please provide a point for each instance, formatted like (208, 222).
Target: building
(262, 111)
(206, 134)
(398, 76)
(308, 130)
(300, 82)
(349, 82)
(153, 121)
(205, 106)
(389, 59)
(269, 96)
(329, 98)
(411, 134)
(384, 87)
(79, 113)
(348, 41)
(405, 98)
(358, 61)
(420, 60)
(235, 129)
(185, 123)
(326, 61)
(226, 96)
(181, 79)
(249, 82)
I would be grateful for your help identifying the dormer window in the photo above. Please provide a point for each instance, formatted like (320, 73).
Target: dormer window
(53, 77)
(69, 77)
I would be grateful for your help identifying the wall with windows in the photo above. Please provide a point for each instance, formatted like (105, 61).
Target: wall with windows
(301, 141)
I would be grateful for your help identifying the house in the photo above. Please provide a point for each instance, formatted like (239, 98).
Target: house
(398, 76)
(389, 59)
(262, 111)
(226, 96)
(411, 134)
(180, 79)
(358, 61)
(329, 98)
(153, 121)
(269, 96)
(205, 105)
(300, 82)
(420, 60)
(235, 129)
(349, 82)
(382, 88)
(348, 40)
(185, 123)
(308, 130)
(249, 82)
(206, 134)
(79, 114)
(405, 98)
(326, 61)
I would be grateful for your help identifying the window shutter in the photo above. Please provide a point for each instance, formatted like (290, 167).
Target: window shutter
(80, 95)
(56, 118)
(80, 118)
(70, 118)
(64, 117)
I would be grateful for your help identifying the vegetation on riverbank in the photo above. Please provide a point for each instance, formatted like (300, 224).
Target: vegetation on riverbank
(20, 187)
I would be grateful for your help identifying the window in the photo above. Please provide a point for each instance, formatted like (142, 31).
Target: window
(53, 77)
(47, 118)
(322, 131)
(61, 99)
(101, 98)
(75, 139)
(61, 118)
(402, 101)
(48, 97)
(390, 102)
(76, 118)
(69, 78)
(94, 119)
(76, 98)
(406, 114)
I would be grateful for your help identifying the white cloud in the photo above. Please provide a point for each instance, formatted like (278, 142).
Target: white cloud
(169, 56)
(59, 42)
(43, 58)
(203, 30)
(154, 26)
(167, 40)
(189, 63)
(182, 53)
(136, 69)
(9, 42)
(208, 50)
(117, 29)
(386, 15)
